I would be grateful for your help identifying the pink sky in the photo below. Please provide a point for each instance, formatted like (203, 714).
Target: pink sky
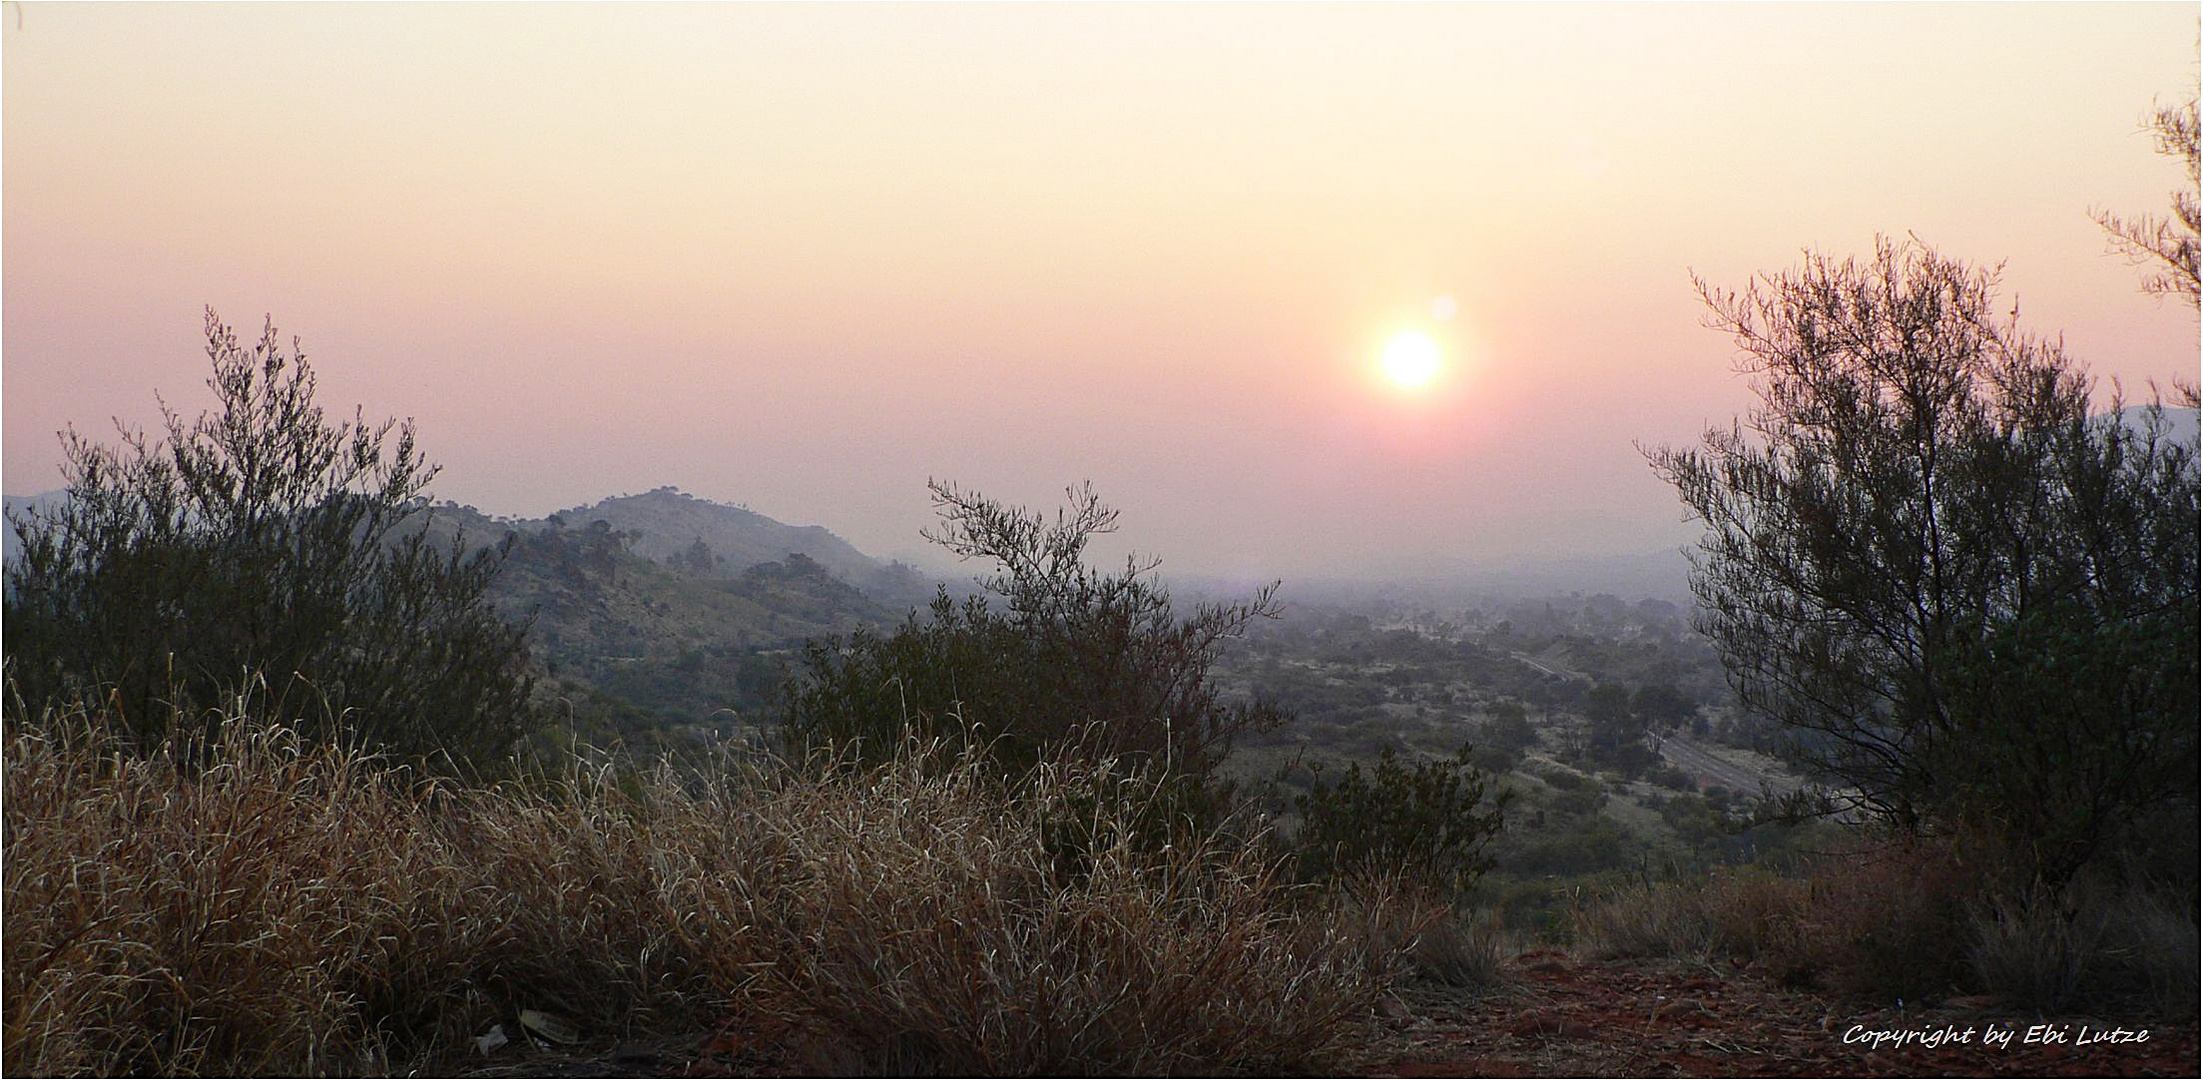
(807, 257)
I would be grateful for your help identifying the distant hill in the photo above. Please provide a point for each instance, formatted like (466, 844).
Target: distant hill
(2184, 425)
(660, 613)
(671, 527)
(665, 522)
(643, 650)
(17, 504)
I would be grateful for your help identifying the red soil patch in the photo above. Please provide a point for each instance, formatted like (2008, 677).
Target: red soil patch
(1565, 1017)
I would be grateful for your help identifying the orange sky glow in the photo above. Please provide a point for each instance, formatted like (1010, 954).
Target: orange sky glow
(806, 257)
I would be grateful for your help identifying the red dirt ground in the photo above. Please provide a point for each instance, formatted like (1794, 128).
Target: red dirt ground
(1559, 1016)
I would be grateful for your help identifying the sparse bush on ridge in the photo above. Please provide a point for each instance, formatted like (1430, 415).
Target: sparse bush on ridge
(301, 907)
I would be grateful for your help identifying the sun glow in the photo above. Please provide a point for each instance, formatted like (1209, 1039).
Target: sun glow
(1412, 359)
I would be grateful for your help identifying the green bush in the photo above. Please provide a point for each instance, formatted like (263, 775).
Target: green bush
(1057, 663)
(1969, 593)
(1430, 821)
(2105, 760)
(262, 537)
(1589, 843)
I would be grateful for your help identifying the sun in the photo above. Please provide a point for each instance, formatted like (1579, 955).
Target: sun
(1412, 359)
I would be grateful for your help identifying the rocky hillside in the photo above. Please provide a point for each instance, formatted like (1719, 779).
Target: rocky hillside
(673, 528)
(650, 649)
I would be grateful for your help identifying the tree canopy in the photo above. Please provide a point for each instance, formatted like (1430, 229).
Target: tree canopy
(1966, 589)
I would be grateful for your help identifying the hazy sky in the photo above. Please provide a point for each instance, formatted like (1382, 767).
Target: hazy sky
(806, 257)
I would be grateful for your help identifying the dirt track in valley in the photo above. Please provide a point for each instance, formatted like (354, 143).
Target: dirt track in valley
(1710, 768)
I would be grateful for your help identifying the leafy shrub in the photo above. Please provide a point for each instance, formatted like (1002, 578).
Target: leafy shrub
(1568, 780)
(1971, 597)
(1509, 729)
(1587, 843)
(1429, 821)
(2106, 755)
(262, 537)
(1493, 761)
(1068, 664)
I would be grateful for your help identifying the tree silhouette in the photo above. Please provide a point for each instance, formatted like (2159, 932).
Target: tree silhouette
(263, 552)
(1963, 592)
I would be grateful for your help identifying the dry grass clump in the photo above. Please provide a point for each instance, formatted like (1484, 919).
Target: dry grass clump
(2099, 941)
(1742, 912)
(2029, 950)
(299, 909)
(1458, 951)
(1887, 921)
(281, 909)
(1919, 920)
(941, 937)
(1871, 921)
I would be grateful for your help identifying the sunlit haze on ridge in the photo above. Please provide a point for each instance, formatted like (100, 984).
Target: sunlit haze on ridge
(806, 257)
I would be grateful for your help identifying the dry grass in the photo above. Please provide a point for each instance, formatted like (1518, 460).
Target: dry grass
(1748, 913)
(1459, 951)
(2096, 941)
(1873, 921)
(296, 909)
(1918, 921)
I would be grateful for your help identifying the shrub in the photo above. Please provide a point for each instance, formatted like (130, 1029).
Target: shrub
(1580, 845)
(1969, 598)
(1429, 821)
(1068, 664)
(1509, 729)
(262, 537)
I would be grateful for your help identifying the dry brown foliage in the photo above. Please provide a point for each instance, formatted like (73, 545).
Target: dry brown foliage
(301, 909)
(1918, 920)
